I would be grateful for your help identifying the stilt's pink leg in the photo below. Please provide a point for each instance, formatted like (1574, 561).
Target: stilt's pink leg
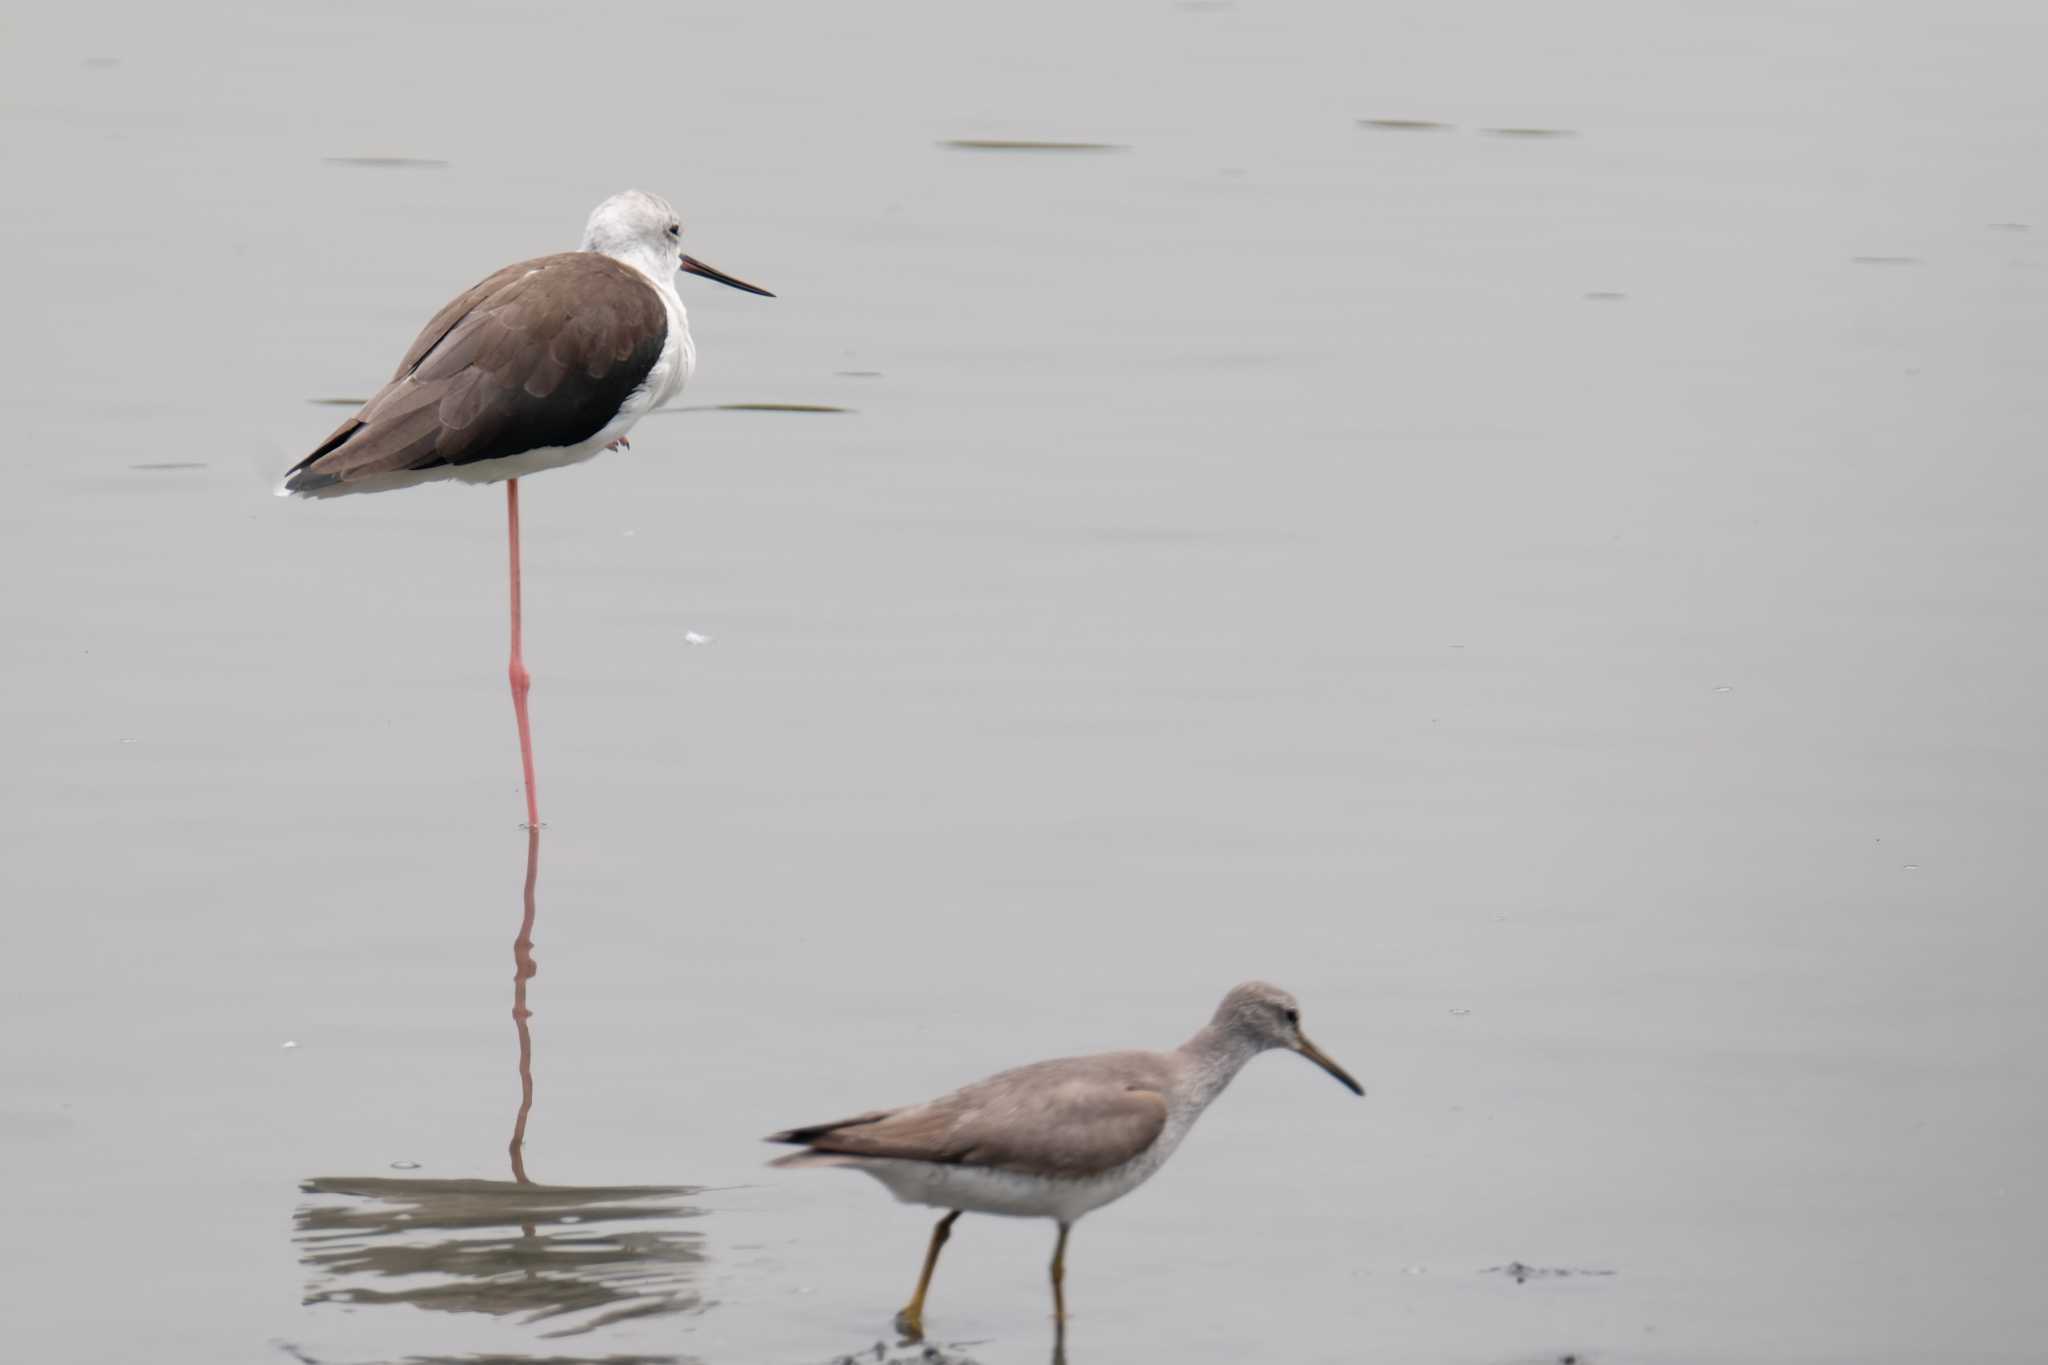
(522, 681)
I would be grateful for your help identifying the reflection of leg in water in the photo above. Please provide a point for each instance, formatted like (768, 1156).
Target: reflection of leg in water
(560, 1259)
(554, 1258)
(523, 968)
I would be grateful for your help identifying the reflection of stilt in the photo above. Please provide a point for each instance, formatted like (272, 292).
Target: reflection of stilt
(563, 1259)
(523, 968)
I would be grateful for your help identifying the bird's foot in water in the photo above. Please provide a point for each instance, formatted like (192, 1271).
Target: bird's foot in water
(910, 1324)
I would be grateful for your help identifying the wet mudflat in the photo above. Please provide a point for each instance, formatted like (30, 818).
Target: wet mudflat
(1242, 553)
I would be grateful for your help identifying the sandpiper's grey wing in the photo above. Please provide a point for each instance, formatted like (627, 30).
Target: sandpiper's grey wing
(542, 354)
(1074, 1117)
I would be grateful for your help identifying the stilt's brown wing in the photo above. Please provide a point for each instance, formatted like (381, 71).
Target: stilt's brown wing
(541, 354)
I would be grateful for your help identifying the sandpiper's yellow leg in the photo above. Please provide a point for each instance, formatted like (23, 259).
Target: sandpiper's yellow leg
(910, 1322)
(1059, 1277)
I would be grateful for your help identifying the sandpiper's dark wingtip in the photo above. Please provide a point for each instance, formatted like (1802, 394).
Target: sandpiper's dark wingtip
(811, 1133)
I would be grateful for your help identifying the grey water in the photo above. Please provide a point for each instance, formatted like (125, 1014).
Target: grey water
(1520, 523)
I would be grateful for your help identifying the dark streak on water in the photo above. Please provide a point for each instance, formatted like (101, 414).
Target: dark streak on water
(995, 144)
(170, 464)
(337, 402)
(1522, 1274)
(1530, 132)
(1884, 260)
(427, 162)
(1404, 125)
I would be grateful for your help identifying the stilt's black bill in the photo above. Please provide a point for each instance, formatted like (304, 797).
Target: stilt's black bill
(693, 266)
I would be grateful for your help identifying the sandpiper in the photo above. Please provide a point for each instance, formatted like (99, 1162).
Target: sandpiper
(544, 364)
(1055, 1139)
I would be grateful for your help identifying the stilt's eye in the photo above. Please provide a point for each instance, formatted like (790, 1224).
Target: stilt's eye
(1293, 1016)
(675, 230)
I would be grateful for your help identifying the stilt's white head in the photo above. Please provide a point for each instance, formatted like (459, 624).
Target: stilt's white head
(637, 227)
(644, 231)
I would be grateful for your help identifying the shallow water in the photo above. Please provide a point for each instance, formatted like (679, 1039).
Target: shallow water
(1250, 552)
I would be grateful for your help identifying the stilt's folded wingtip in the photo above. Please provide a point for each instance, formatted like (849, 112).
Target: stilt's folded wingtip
(303, 483)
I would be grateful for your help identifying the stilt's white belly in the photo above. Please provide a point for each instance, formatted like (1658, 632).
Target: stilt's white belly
(528, 462)
(482, 471)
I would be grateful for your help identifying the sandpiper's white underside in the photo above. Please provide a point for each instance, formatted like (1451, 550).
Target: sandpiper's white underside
(1015, 1194)
(1010, 1194)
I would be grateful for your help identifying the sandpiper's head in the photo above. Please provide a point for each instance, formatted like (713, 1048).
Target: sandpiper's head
(643, 230)
(1268, 1017)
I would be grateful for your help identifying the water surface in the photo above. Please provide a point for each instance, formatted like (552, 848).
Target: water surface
(1246, 553)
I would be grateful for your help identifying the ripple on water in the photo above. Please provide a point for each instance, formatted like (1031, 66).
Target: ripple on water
(576, 1257)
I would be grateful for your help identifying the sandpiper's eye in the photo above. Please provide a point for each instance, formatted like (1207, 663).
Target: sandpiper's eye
(1293, 1016)
(675, 230)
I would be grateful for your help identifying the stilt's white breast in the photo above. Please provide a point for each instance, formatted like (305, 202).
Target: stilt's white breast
(670, 373)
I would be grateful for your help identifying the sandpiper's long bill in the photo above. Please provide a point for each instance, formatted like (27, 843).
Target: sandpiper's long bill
(1055, 1139)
